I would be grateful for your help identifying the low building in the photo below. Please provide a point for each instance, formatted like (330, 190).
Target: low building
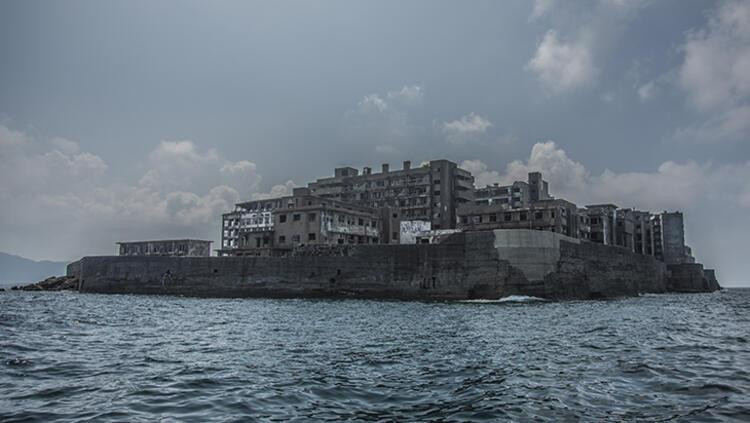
(273, 226)
(307, 219)
(167, 247)
(554, 215)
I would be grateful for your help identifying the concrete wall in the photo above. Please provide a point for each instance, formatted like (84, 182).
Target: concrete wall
(535, 253)
(481, 264)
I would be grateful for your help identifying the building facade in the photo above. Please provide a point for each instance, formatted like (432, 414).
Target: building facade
(669, 237)
(517, 195)
(167, 247)
(554, 215)
(429, 193)
(267, 227)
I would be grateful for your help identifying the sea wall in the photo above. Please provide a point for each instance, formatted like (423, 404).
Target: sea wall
(691, 277)
(481, 264)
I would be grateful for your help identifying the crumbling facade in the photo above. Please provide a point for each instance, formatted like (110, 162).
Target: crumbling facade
(554, 215)
(270, 227)
(427, 193)
(423, 204)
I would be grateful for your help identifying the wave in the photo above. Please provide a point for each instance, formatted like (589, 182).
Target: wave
(508, 299)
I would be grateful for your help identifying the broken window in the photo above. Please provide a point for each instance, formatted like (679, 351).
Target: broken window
(296, 216)
(282, 218)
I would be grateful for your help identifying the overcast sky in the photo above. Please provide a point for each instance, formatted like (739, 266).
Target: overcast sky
(139, 119)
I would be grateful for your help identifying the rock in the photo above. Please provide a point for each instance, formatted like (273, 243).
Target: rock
(54, 283)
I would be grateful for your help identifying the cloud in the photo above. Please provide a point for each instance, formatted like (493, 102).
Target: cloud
(385, 120)
(386, 149)
(541, 8)
(569, 56)
(180, 166)
(562, 66)
(646, 91)
(715, 75)
(466, 128)
(482, 175)
(281, 190)
(56, 203)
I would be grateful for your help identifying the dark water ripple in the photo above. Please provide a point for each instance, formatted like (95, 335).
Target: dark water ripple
(70, 357)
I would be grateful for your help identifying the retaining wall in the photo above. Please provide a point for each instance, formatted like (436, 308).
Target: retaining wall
(481, 264)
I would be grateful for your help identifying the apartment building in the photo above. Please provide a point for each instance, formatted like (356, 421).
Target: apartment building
(517, 195)
(429, 193)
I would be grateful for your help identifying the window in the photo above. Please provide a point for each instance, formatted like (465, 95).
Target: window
(493, 218)
(437, 182)
(436, 193)
(296, 217)
(311, 217)
(311, 236)
(507, 217)
(538, 215)
(361, 222)
(295, 238)
(282, 239)
(523, 216)
(282, 218)
(394, 236)
(464, 219)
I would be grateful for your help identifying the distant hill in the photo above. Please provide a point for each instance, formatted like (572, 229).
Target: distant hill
(16, 270)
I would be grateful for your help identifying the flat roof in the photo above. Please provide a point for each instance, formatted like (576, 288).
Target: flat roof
(163, 240)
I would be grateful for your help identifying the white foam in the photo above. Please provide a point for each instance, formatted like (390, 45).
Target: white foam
(508, 299)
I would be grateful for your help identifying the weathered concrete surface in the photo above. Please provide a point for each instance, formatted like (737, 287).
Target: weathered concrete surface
(482, 264)
(535, 253)
(691, 277)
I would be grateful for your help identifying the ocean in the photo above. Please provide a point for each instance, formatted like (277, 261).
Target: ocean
(84, 357)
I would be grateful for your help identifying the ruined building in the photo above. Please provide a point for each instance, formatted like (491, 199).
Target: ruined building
(669, 238)
(427, 203)
(515, 196)
(428, 193)
(268, 227)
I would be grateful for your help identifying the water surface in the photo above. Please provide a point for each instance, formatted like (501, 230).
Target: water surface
(68, 356)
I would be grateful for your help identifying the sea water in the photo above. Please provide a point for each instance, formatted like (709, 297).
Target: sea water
(86, 357)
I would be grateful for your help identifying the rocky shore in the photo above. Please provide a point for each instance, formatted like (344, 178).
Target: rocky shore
(54, 283)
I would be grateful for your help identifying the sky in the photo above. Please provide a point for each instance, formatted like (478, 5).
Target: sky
(146, 120)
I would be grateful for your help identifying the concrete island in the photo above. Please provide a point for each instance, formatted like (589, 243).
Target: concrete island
(418, 233)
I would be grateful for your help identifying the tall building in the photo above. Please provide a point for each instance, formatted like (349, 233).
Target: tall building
(427, 193)
(669, 237)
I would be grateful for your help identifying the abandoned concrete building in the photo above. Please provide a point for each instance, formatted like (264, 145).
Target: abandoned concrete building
(428, 193)
(168, 247)
(669, 238)
(427, 203)
(265, 227)
(554, 215)
(520, 194)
